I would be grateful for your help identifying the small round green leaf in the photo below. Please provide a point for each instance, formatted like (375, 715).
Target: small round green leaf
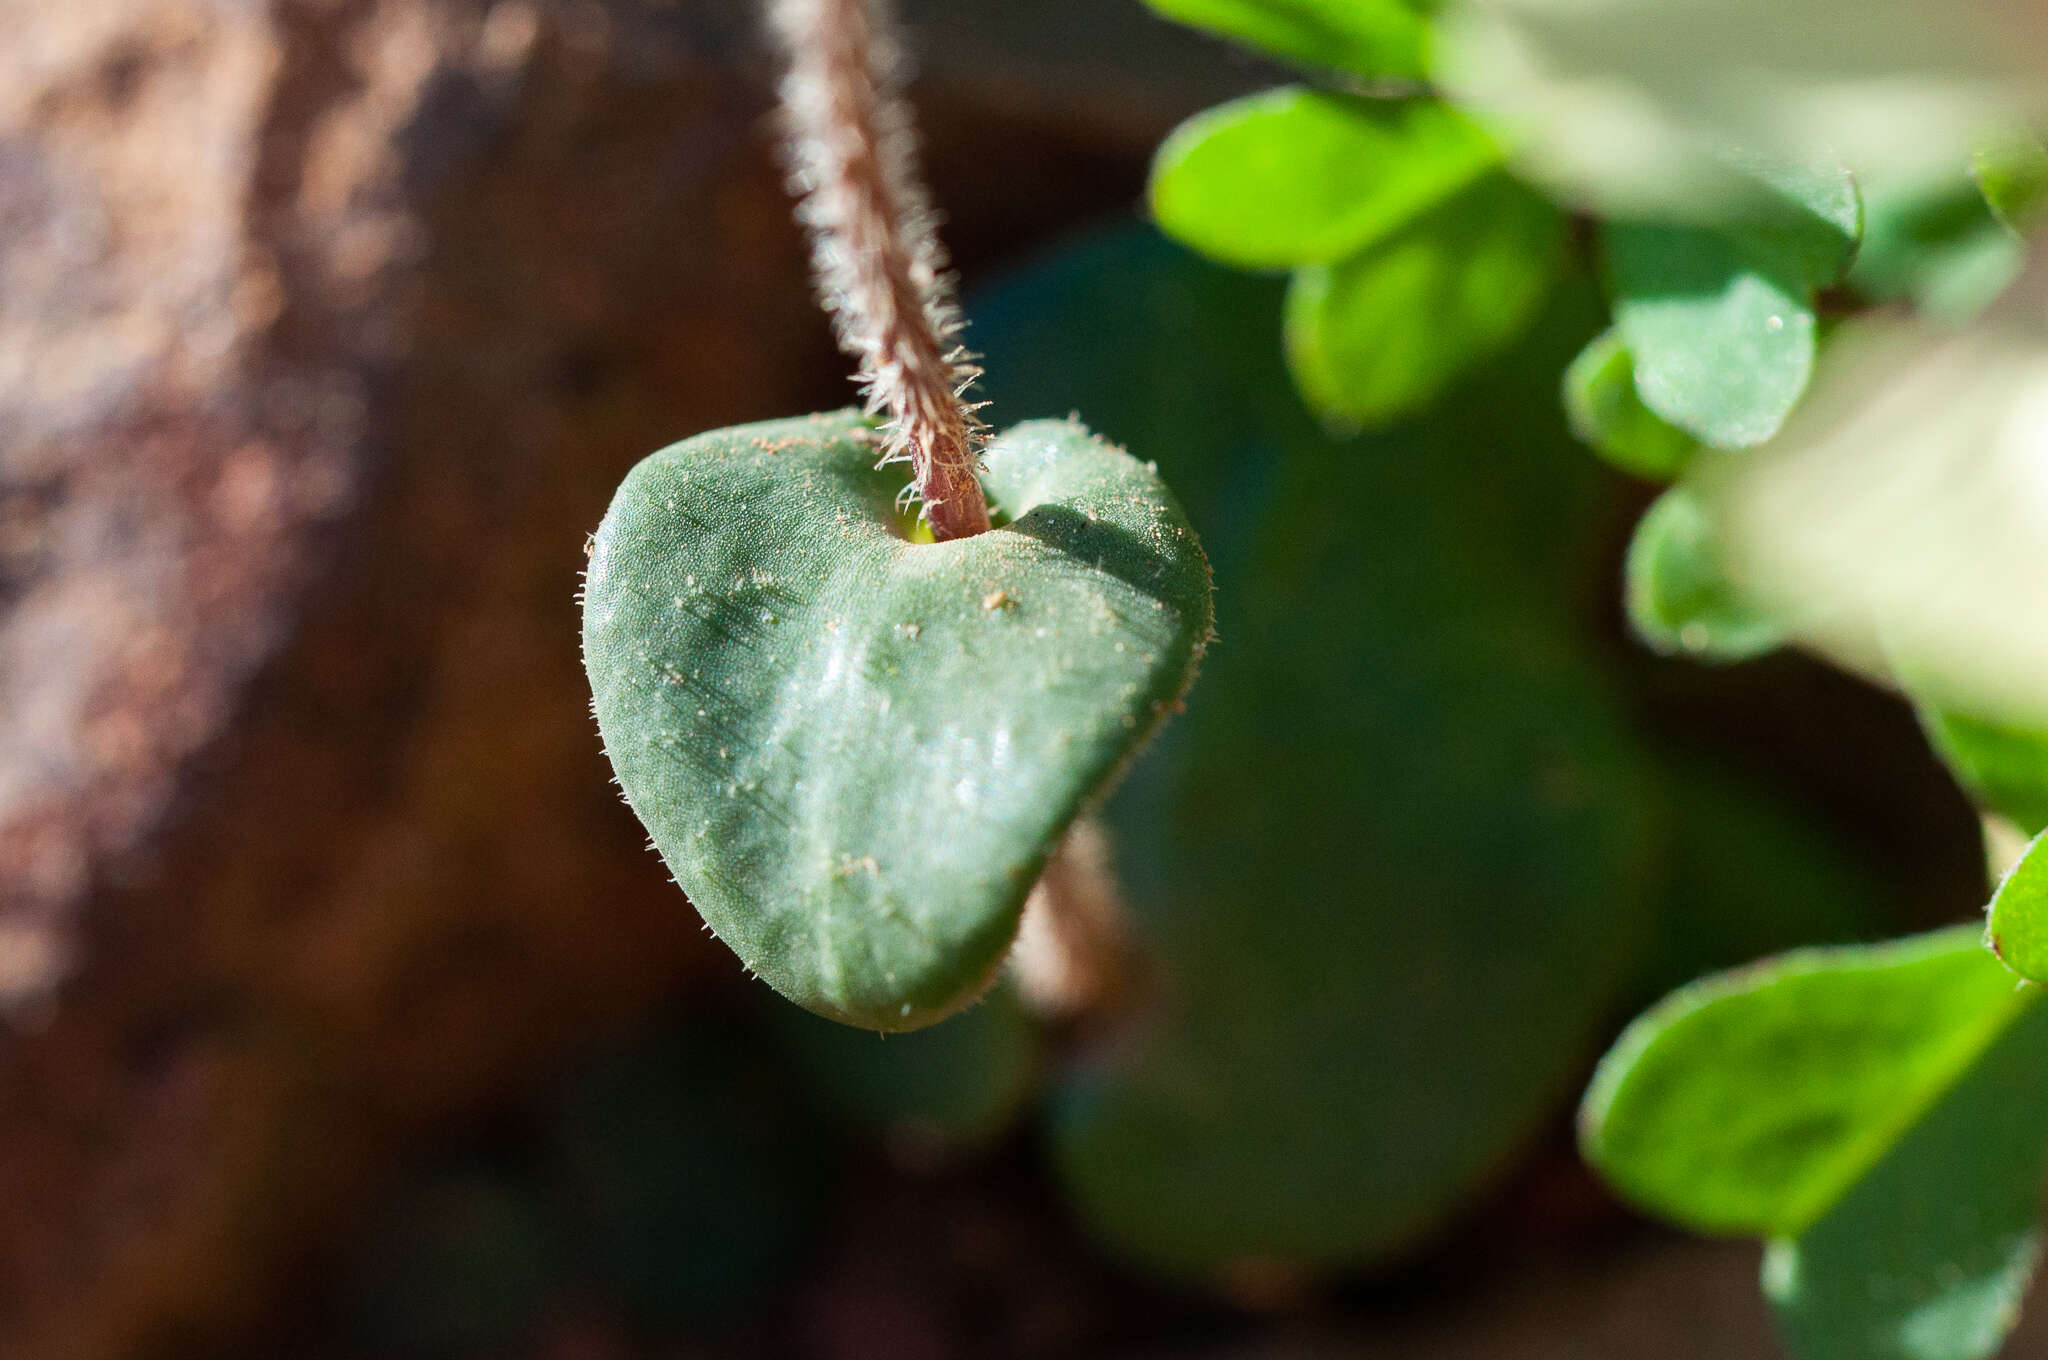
(1296, 176)
(1678, 598)
(2013, 174)
(1752, 1102)
(1723, 336)
(854, 751)
(1382, 333)
(1371, 37)
(1600, 399)
(2019, 915)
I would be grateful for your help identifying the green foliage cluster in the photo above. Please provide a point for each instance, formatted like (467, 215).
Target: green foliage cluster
(1874, 1112)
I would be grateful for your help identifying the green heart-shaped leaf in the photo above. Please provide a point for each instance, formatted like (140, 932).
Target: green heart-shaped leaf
(856, 751)
(1723, 336)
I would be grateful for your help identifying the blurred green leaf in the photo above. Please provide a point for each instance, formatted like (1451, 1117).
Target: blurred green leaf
(1928, 1255)
(1605, 412)
(1295, 176)
(1809, 216)
(1678, 599)
(1752, 1102)
(2005, 769)
(960, 1083)
(1876, 1110)
(1933, 242)
(1719, 316)
(1723, 337)
(1371, 37)
(2013, 173)
(2019, 915)
(1450, 875)
(1382, 333)
(1894, 526)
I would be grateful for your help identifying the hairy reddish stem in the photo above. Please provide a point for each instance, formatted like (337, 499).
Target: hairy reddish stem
(881, 272)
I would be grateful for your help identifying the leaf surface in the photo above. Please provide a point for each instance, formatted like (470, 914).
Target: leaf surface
(1719, 314)
(1928, 1255)
(1677, 595)
(2013, 173)
(1601, 402)
(2019, 915)
(1723, 339)
(1295, 176)
(1753, 1101)
(1383, 333)
(855, 752)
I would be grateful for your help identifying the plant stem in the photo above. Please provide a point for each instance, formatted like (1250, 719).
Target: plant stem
(1074, 958)
(881, 271)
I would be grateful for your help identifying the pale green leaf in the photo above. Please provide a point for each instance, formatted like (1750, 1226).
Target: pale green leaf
(1600, 399)
(1723, 334)
(2013, 173)
(1678, 596)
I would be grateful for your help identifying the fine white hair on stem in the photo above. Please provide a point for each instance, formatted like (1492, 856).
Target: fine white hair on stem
(881, 272)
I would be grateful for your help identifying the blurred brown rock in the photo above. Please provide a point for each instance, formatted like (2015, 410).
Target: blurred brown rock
(326, 327)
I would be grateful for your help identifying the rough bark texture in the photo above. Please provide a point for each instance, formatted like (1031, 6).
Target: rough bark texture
(329, 326)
